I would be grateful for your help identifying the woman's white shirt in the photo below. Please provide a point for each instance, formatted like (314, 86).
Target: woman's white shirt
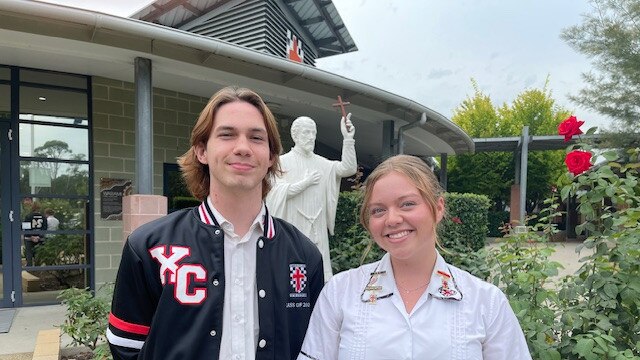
(458, 317)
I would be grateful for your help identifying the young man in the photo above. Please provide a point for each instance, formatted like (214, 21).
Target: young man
(33, 221)
(224, 280)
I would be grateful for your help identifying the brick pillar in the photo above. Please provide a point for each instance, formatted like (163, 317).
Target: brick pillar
(141, 209)
(514, 204)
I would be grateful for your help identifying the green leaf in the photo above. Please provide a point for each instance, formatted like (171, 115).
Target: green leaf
(588, 314)
(611, 290)
(584, 347)
(610, 155)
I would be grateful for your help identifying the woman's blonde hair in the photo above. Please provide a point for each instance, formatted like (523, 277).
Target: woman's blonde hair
(196, 174)
(418, 173)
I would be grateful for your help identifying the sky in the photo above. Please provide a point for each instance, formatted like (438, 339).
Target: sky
(429, 50)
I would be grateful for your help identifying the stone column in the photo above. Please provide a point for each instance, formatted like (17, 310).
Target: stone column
(138, 210)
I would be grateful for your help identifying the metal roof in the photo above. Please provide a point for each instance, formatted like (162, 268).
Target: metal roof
(317, 21)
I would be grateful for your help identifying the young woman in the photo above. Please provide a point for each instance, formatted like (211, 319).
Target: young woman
(411, 304)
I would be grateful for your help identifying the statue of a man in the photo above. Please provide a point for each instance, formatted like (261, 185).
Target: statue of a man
(306, 195)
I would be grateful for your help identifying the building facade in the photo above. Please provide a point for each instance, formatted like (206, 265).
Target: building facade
(71, 114)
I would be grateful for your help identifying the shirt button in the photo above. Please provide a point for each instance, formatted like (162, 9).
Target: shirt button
(237, 281)
(217, 232)
(260, 243)
(262, 293)
(262, 343)
(212, 333)
(215, 282)
(238, 318)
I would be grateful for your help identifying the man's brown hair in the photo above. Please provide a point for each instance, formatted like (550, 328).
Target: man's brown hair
(196, 174)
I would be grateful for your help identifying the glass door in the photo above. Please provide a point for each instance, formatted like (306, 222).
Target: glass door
(52, 185)
(46, 237)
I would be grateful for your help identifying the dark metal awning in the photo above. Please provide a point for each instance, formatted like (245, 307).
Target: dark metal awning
(511, 144)
(318, 20)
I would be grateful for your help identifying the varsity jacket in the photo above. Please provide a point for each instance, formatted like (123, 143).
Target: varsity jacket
(169, 291)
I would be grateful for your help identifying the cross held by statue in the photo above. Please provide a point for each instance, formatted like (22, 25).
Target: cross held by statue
(341, 104)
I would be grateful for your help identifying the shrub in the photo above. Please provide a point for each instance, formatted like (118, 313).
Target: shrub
(87, 318)
(62, 250)
(595, 313)
(182, 202)
(350, 239)
(496, 221)
(466, 223)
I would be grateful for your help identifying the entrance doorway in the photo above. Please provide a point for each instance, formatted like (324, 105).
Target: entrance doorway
(45, 181)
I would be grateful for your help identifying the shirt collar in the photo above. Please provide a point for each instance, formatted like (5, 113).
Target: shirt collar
(211, 216)
(442, 285)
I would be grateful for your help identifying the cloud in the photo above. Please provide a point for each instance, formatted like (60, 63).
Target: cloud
(439, 74)
(530, 80)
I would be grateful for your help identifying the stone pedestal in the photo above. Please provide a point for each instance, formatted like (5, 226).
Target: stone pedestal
(141, 209)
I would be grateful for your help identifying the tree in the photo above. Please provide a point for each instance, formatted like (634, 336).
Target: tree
(492, 174)
(609, 36)
(52, 149)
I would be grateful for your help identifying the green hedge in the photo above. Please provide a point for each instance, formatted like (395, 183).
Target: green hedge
(497, 219)
(182, 202)
(351, 239)
(466, 225)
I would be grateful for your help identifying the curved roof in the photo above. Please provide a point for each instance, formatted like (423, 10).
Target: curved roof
(54, 37)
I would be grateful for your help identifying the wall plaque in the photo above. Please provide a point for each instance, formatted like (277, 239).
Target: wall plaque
(111, 193)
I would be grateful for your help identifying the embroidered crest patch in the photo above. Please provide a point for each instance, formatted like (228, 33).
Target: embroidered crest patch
(298, 277)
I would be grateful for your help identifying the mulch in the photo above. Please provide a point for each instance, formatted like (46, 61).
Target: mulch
(82, 356)
(76, 353)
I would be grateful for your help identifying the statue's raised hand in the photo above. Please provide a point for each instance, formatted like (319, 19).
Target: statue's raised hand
(347, 128)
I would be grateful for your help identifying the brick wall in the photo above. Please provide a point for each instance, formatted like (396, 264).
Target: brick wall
(174, 114)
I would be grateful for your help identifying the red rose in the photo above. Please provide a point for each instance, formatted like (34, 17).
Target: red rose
(456, 220)
(578, 161)
(570, 127)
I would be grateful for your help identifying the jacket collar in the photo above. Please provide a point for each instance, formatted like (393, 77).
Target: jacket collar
(207, 214)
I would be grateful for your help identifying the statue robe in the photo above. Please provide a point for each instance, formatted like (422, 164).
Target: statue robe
(312, 211)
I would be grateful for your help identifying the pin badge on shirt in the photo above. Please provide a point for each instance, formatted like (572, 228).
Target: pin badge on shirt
(446, 290)
(370, 292)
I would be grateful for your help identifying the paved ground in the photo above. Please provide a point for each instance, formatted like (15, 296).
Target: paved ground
(19, 342)
(566, 255)
(21, 337)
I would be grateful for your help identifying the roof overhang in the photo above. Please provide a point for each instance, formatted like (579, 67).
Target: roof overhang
(54, 37)
(536, 143)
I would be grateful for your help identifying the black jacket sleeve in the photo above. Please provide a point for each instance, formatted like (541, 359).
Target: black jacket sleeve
(132, 307)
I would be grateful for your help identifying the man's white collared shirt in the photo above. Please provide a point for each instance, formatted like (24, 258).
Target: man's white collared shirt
(360, 315)
(240, 313)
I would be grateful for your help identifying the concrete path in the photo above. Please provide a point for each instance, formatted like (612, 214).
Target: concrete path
(566, 255)
(21, 337)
